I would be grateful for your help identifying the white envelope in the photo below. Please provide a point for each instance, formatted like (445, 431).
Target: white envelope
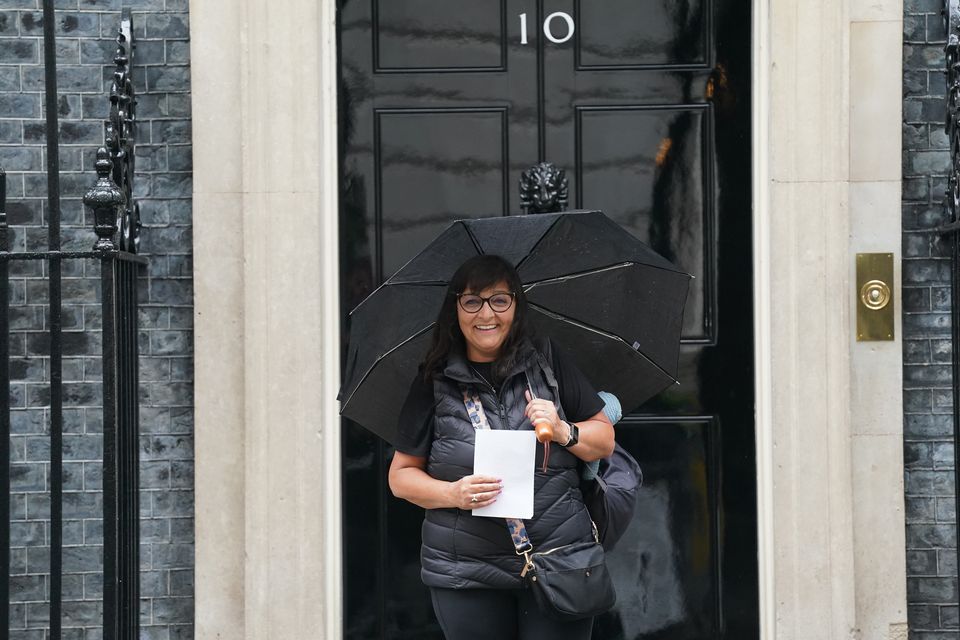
(510, 456)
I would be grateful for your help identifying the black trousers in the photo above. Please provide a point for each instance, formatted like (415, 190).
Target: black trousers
(503, 614)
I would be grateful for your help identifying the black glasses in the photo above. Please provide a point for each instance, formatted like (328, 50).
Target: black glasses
(499, 301)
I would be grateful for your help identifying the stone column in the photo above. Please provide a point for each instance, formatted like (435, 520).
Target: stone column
(876, 381)
(268, 453)
(827, 177)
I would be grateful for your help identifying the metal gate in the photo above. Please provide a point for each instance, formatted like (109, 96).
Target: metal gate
(116, 218)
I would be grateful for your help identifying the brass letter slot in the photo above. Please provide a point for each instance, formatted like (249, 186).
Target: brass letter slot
(874, 296)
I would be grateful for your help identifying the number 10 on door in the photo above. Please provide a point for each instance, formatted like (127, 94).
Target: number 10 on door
(548, 23)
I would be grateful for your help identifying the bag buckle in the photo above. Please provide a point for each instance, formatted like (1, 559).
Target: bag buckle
(528, 565)
(524, 550)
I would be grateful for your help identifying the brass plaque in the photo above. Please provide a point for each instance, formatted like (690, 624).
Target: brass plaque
(874, 296)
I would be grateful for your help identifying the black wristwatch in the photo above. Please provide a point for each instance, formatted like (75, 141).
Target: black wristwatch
(574, 435)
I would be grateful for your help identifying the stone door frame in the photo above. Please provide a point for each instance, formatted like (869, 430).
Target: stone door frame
(826, 180)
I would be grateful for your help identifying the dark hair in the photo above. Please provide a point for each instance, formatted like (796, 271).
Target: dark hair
(477, 274)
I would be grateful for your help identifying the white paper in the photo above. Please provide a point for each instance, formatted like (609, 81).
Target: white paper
(510, 456)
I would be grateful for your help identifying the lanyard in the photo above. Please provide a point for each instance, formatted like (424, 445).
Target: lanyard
(518, 531)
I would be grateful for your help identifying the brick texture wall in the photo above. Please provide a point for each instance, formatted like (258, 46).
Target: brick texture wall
(928, 400)
(86, 30)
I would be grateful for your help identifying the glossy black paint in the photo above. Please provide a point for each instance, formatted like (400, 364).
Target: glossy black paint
(56, 324)
(4, 413)
(647, 110)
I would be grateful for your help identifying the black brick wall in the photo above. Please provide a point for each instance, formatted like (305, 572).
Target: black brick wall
(927, 396)
(86, 30)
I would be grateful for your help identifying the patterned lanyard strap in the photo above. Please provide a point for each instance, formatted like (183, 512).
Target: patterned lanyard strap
(518, 531)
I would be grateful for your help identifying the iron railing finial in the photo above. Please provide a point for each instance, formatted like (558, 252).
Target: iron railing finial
(105, 199)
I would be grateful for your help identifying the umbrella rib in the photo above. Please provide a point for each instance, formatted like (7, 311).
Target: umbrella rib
(473, 239)
(380, 359)
(606, 334)
(415, 256)
(537, 243)
(595, 270)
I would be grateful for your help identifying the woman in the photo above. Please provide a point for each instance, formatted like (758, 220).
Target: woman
(482, 341)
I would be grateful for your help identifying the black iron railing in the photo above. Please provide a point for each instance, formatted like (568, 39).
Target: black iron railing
(117, 229)
(950, 232)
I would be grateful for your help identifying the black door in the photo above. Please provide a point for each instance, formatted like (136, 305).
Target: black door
(646, 105)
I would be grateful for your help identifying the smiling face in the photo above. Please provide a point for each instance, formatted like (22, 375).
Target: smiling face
(486, 330)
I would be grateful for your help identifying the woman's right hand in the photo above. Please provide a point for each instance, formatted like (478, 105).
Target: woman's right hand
(408, 479)
(471, 492)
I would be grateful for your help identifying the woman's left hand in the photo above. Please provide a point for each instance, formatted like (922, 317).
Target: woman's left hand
(540, 410)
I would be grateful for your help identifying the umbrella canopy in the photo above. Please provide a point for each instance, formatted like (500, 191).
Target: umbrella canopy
(606, 299)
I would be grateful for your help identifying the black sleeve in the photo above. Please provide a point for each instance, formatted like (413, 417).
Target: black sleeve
(415, 425)
(577, 396)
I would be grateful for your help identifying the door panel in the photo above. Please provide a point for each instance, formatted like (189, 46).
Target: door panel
(446, 35)
(617, 34)
(647, 167)
(646, 106)
(460, 153)
(665, 579)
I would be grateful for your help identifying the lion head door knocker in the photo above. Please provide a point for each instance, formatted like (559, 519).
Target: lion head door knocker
(543, 189)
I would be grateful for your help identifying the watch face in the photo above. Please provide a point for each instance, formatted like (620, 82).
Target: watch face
(574, 435)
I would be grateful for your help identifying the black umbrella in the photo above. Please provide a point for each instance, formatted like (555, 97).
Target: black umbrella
(605, 298)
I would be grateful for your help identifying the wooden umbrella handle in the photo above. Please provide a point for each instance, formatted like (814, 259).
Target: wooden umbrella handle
(544, 431)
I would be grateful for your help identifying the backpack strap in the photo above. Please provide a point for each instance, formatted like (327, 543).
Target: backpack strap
(544, 350)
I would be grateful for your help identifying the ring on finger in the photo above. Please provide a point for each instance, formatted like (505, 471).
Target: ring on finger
(473, 498)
